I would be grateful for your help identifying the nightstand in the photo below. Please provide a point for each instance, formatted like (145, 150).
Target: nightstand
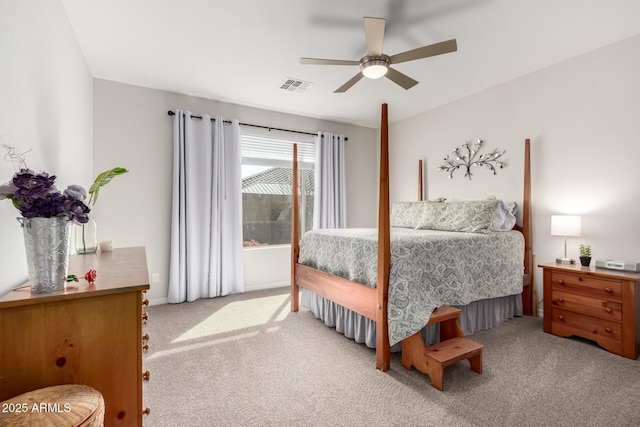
(597, 304)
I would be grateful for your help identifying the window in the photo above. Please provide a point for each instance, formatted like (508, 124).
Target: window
(266, 184)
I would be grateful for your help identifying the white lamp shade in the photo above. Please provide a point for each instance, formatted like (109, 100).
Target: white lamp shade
(565, 225)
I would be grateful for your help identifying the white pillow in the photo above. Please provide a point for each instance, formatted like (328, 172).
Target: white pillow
(505, 217)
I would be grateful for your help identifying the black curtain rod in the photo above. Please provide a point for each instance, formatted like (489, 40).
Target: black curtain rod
(171, 113)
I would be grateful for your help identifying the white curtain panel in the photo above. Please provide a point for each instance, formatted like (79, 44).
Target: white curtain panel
(206, 219)
(330, 201)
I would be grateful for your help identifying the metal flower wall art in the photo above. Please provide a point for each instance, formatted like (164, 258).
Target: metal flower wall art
(468, 155)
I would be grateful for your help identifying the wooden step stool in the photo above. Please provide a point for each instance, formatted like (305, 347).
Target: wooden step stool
(452, 348)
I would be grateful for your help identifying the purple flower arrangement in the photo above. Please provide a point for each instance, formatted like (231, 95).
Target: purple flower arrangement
(36, 196)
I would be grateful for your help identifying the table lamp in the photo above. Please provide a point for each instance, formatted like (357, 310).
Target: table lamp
(565, 225)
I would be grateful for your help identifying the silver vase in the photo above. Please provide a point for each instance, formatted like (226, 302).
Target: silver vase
(46, 242)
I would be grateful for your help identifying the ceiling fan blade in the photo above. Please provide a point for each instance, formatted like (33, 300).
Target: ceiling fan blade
(374, 32)
(401, 79)
(318, 61)
(355, 79)
(425, 51)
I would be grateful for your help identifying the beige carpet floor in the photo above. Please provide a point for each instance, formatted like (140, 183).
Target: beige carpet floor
(246, 360)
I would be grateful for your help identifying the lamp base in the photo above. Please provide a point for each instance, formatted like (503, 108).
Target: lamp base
(565, 261)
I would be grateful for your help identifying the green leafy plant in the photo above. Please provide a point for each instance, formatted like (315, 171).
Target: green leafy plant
(585, 250)
(101, 180)
(86, 241)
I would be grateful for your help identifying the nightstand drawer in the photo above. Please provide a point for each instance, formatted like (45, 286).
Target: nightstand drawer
(586, 285)
(565, 323)
(602, 308)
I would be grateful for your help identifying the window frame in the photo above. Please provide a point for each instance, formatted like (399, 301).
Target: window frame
(255, 141)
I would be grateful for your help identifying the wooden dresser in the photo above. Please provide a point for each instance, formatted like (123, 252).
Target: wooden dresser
(91, 335)
(598, 304)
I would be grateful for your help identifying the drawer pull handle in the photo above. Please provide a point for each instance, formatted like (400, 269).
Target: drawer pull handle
(145, 302)
(608, 290)
(146, 411)
(561, 299)
(607, 309)
(561, 317)
(146, 337)
(145, 375)
(561, 282)
(145, 347)
(145, 317)
(608, 330)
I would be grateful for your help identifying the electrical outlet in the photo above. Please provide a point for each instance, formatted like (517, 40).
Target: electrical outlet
(155, 278)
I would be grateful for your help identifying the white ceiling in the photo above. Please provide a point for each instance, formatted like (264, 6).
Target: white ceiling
(240, 51)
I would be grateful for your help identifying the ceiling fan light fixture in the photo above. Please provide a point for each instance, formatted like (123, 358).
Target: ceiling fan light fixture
(374, 68)
(374, 71)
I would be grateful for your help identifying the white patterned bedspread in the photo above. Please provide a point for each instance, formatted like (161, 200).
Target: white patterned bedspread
(428, 268)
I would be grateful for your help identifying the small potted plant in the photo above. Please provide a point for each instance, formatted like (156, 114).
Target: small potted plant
(585, 255)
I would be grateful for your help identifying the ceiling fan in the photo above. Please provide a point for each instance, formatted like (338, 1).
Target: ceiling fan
(376, 64)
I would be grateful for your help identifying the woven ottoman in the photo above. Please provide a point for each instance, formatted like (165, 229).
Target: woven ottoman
(60, 405)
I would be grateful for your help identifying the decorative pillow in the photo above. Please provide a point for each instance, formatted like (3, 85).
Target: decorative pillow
(505, 217)
(471, 216)
(408, 214)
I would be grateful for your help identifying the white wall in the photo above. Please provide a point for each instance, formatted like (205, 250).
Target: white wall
(132, 130)
(45, 106)
(583, 119)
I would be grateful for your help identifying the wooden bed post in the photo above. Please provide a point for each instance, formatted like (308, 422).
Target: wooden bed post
(383, 349)
(420, 192)
(529, 305)
(295, 240)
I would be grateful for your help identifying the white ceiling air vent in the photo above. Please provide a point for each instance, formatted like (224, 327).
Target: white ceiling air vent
(295, 85)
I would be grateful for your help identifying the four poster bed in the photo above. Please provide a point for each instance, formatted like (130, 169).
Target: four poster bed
(487, 274)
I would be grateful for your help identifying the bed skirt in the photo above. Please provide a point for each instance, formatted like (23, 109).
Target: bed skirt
(476, 316)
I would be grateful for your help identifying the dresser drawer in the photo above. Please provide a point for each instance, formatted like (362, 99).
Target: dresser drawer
(598, 307)
(587, 285)
(566, 323)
